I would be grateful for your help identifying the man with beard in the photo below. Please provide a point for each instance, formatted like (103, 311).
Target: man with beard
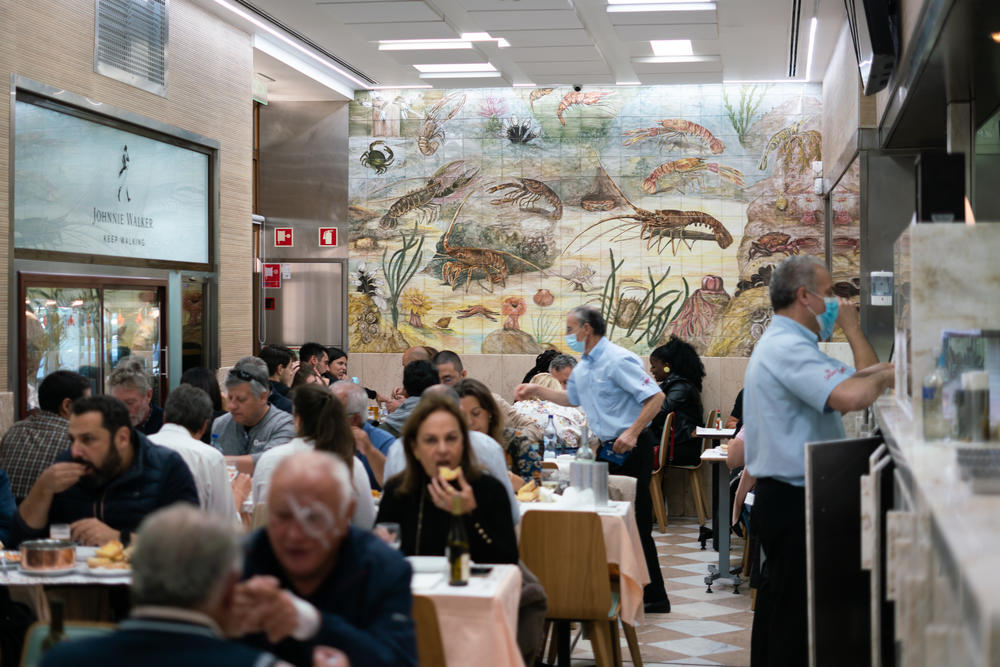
(109, 479)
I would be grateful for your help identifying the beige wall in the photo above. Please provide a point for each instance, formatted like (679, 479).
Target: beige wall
(209, 72)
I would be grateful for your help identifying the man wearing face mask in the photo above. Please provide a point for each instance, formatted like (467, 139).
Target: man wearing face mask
(619, 399)
(794, 394)
(109, 479)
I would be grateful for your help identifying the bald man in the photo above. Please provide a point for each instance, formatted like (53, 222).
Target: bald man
(417, 353)
(311, 579)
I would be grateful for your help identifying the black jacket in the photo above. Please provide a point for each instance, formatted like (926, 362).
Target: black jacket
(685, 402)
(365, 603)
(158, 477)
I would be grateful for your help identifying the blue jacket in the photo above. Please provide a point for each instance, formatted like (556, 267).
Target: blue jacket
(158, 477)
(7, 508)
(365, 603)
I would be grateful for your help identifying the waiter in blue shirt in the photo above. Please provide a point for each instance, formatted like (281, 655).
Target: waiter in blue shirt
(619, 399)
(794, 394)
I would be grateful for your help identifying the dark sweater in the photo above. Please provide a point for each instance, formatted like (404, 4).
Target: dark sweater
(489, 527)
(683, 399)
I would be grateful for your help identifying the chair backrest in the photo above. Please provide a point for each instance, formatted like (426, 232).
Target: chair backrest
(31, 654)
(708, 443)
(566, 552)
(664, 451)
(624, 484)
(430, 647)
(550, 465)
(259, 519)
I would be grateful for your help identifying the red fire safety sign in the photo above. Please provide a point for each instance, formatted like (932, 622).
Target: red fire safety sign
(327, 236)
(283, 237)
(271, 276)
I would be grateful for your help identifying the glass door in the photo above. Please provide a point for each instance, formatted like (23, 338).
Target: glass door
(88, 324)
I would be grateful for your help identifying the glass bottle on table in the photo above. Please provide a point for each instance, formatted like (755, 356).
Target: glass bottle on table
(56, 629)
(584, 453)
(936, 426)
(550, 439)
(458, 546)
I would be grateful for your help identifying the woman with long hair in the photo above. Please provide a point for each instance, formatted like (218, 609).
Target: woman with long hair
(678, 369)
(320, 423)
(421, 500)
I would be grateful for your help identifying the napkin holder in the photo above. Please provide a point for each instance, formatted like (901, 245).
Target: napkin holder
(592, 475)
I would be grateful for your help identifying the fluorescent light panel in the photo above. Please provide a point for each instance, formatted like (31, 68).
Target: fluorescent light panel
(401, 87)
(671, 47)
(656, 60)
(525, 85)
(628, 83)
(812, 47)
(664, 7)
(459, 67)
(459, 75)
(425, 45)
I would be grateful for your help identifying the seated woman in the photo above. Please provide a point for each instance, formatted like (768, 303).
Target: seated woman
(320, 423)
(542, 362)
(436, 436)
(678, 369)
(570, 422)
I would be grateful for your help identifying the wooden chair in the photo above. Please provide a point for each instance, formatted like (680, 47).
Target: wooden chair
(566, 552)
(694, 475)
(31, 654)
(430, 647)
(259, 519)
(550, 465)
(656, 480)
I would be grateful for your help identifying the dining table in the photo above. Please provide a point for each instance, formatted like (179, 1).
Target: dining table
(721, 507)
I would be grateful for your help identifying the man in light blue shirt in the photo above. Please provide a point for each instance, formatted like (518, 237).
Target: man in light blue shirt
(794, 394)
(619, 399)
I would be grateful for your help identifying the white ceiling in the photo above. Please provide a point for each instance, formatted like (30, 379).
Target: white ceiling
(556, 42)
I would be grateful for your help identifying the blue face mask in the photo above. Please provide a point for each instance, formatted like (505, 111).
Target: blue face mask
(578, 346)
(828, 317)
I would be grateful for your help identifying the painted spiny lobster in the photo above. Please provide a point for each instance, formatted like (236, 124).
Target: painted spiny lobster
(446, 181)
(527, 192)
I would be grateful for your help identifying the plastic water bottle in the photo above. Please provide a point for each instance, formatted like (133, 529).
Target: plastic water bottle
(936, 426)
(550, 439)
(383, 412)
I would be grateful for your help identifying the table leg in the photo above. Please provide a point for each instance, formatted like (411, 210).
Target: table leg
(722, 532)
(716, 480)
(562, 640)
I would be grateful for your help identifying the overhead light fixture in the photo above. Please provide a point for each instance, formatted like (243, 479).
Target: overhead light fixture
(476, 36)
(422, 85)
(455, 67)
(995, 36)
(628, 83)
(502, 43)
(460, 75)
(671, 47)
(423, 45)
(656, 60)
(812, 47)
(525, 85)
(663, 7)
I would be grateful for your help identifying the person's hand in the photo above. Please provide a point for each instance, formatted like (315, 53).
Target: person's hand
(398, 394)
(324, 656)
(60, 476)
(625, 443)
(242, 484)
(848, 316)
(525, 391)
(732, 422)
(381, 398)
(442, 493)
(256, 598)
(92, 532)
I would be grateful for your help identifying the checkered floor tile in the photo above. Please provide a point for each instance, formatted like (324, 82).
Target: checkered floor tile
(702, 628)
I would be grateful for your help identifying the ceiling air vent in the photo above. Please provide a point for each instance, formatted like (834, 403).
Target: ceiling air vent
(130, 43)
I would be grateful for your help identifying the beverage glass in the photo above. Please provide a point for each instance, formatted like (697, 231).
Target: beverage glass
(389, 531)
(59, 531)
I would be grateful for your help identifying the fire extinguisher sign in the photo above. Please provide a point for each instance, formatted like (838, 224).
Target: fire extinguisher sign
(327, 237)
(271, 276)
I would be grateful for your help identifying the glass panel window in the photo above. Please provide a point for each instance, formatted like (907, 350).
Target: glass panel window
(132, 328)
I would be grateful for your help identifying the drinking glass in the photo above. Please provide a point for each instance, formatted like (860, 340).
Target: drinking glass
(389, 532)
(59, 531)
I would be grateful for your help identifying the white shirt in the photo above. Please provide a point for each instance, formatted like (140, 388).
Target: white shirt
(488, 452)
(364, 506)
(207, 466)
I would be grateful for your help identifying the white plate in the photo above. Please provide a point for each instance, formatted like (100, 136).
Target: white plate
(83, 553)
(48, 573)
(105, 572)
(433, 564)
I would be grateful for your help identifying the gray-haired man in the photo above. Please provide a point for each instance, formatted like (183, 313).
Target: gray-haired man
(129, 383)
(185, 569)
(561, 367)
(252, 426)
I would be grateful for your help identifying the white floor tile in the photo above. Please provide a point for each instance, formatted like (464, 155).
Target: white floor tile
(693, 661)
(695, 646)
(693, 580)
(699, 628)
(697, 568)
(701, 609)
(703, 556)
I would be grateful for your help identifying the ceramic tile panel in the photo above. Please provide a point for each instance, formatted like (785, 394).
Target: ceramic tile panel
(487, 368)
(480, 217)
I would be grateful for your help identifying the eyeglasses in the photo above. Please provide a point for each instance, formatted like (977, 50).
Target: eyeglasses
(243, 375)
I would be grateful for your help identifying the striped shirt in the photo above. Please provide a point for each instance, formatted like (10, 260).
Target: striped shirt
(30, 446)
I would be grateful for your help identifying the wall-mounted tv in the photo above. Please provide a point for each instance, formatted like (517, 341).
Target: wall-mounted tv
(873, 28)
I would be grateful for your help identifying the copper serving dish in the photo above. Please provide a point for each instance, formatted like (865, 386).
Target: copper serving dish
(46, 555)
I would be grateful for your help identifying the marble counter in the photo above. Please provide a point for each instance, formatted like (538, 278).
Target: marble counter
(943, 546)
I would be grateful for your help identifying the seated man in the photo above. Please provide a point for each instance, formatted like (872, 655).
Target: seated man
(370, 443)
(184, 570)
(410, 354)
(317, 356)
(129, 383)
(561, 367)
(253, 425)
(489, 453)
(313, 579)
(281, 369)
(106, 483)
(417, 376)
(32, 444)
(187, 414)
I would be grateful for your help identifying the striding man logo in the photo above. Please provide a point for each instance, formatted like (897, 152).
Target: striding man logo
(123, 176)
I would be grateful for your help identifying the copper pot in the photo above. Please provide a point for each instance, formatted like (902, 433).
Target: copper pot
(42, 555)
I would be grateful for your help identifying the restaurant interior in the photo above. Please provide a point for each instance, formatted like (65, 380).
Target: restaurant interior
(189, 181)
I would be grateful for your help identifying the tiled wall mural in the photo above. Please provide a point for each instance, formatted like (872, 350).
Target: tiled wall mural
(479, 217)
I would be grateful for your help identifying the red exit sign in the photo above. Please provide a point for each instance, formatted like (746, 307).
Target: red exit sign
(283, 237)
(327, 237)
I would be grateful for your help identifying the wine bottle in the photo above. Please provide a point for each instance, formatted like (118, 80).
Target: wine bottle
(56, 631)
(458, 546)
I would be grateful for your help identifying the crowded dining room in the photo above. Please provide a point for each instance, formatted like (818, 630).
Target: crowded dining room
(500, 333)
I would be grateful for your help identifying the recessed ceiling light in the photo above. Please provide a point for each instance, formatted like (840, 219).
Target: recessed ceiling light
(628, 83)
(477, 36)
(456, 67)
(995, 36)
(525, 85)
(664, 7)
(459, 75)
(421, 85)
(655, 60)
(423, 45)
(671, 47)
